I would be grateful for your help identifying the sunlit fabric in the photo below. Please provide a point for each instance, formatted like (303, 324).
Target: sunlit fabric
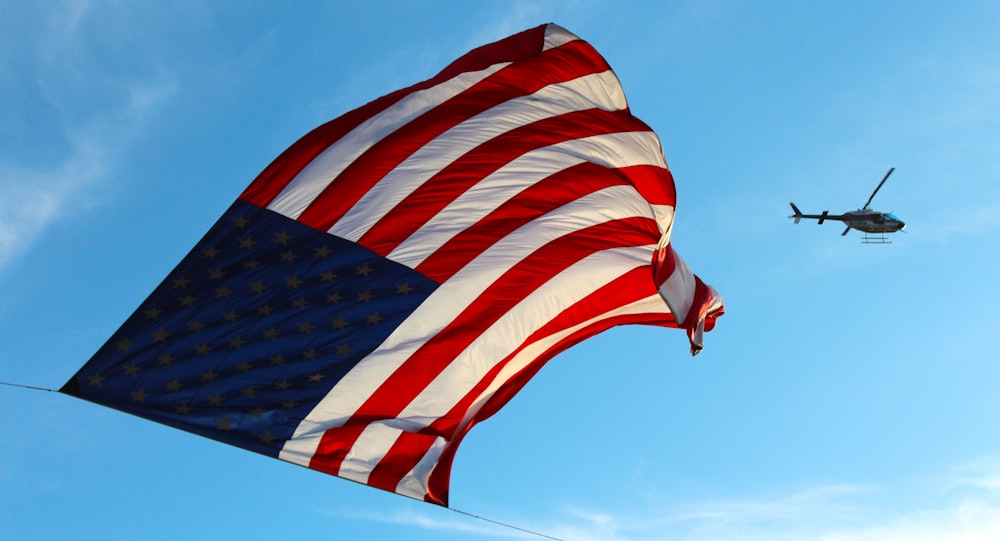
(398, 274)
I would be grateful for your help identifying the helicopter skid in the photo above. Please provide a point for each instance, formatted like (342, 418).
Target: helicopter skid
(870, 238)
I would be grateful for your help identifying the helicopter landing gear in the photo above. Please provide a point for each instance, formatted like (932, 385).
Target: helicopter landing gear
(873, 238)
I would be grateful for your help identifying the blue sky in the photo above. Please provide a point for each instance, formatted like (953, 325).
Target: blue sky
(850, 392)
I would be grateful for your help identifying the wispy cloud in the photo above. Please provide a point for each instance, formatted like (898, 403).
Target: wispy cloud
(35, 197)
(962, 503)
(32, 199)
(35, 192)
(436, 520)
(515, 17)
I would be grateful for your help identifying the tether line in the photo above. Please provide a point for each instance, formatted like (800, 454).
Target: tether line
(459, 511)
(505, 525)
(32, 387)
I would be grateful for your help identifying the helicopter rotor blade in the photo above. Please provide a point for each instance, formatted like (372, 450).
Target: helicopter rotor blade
(891, 169)
(846, 229)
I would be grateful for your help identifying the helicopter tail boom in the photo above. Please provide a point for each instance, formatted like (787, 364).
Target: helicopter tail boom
(819, 217)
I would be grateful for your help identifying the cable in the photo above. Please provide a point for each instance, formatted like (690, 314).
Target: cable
(505, 525)
(484, 519)
(32, 387)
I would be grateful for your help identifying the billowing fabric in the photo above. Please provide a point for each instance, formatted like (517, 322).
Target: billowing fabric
(399, 273)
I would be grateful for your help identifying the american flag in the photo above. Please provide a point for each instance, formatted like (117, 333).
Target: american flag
(398, 274)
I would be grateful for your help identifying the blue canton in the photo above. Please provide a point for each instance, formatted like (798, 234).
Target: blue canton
(251, 330)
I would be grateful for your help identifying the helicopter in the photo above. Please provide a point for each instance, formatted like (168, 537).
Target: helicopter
(874, 224)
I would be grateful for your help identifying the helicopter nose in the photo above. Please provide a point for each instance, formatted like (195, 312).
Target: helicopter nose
(902, 226)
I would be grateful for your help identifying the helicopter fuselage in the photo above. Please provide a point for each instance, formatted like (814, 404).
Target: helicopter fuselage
(872, 221)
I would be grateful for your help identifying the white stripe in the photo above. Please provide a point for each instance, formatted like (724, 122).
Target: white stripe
(359, 461)
(419, 477)
(678, 290)
(610, 150)
(664, 215)
(650, 305)
(533, 312)
(556, 35)
(449, 300)
(414, 484)
(599, 90)
(501, 339)
(314, 178)
(305, 447)
(367, 452)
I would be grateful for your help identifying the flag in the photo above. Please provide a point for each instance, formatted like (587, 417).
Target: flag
(398, 274)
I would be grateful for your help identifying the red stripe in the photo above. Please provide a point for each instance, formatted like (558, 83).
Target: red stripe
(630, 287)
(273, 179)
(402, 457)
(399, 389)
(537, 200)
(437, 487)
(655, 184)
(557, 65)
(664, 264)
(710, 317)
(701, 303)
(519, 46)
(332, 451)
(285, 167)
(411, 448)
(451, 182)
